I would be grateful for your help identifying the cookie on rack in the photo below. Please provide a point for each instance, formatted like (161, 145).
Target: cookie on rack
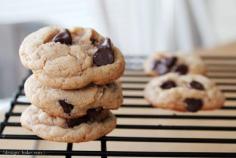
(184, 93)
(161, 63)
(71, 58)
(73, 103)
(97, 123)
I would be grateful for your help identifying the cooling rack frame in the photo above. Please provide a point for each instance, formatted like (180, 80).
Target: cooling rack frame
(133, 62)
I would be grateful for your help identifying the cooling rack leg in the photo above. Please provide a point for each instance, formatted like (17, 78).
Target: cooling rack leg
(69, 149)
(104, 148)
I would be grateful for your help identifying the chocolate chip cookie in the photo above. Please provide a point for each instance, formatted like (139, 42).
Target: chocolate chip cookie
(71, 58)
(184, 93)
(72, 103)
(95, 124)
(163, 62)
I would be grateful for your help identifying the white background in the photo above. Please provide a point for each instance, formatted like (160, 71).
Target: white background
(136, 26)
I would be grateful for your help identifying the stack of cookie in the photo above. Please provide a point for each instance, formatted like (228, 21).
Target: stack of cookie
(73, 87)
(180, 83)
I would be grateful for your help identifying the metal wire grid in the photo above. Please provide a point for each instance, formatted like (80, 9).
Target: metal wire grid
(127, 81)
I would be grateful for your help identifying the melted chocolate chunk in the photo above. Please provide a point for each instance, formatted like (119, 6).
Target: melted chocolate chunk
(93, 41)
(63, 37)
(193, 105)
(163, 66)
(155, 64)
(168, 84)
(196, 85)
(170, 62)
(181, 69)
(66, 106)
(104, 54)
(95, 111)
(111, 85)
(76, 121)
(97, 114)
(160, 67)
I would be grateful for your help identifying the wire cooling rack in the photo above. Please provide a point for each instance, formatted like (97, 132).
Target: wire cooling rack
(142, 131)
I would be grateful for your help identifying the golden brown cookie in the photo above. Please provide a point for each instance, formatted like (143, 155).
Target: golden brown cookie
(73, 103)
(71, 59)
(162, 63)
(184, 93)
(92, 126)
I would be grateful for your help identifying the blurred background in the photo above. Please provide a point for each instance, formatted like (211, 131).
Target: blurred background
(135, 26)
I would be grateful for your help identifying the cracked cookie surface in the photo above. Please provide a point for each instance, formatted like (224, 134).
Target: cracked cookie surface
(184, 93)
(72, 103)
(71, 59)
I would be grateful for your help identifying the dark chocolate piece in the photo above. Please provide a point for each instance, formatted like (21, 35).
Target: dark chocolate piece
(104, 54)
(76, 121)
(170, 62)
(181, 69)
(196, 85)
(66, 106)
(97, 114)
(63, 37)
(168, 84)
(163, 66)
(160, 67)
(193, 105)
(93, 41)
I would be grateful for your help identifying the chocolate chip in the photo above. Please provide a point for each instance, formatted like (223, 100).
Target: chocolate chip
(93, 41)
(170, 62)
(96, 114)
(94, 111)
(63, 37)
(168, 84)
(160, 67)
(155, 64)
(164, 65)
(76, 121)
(193, 105)
(66, 106)
(196, 85)
(106, 43)
(181, 69)
(104, 54)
